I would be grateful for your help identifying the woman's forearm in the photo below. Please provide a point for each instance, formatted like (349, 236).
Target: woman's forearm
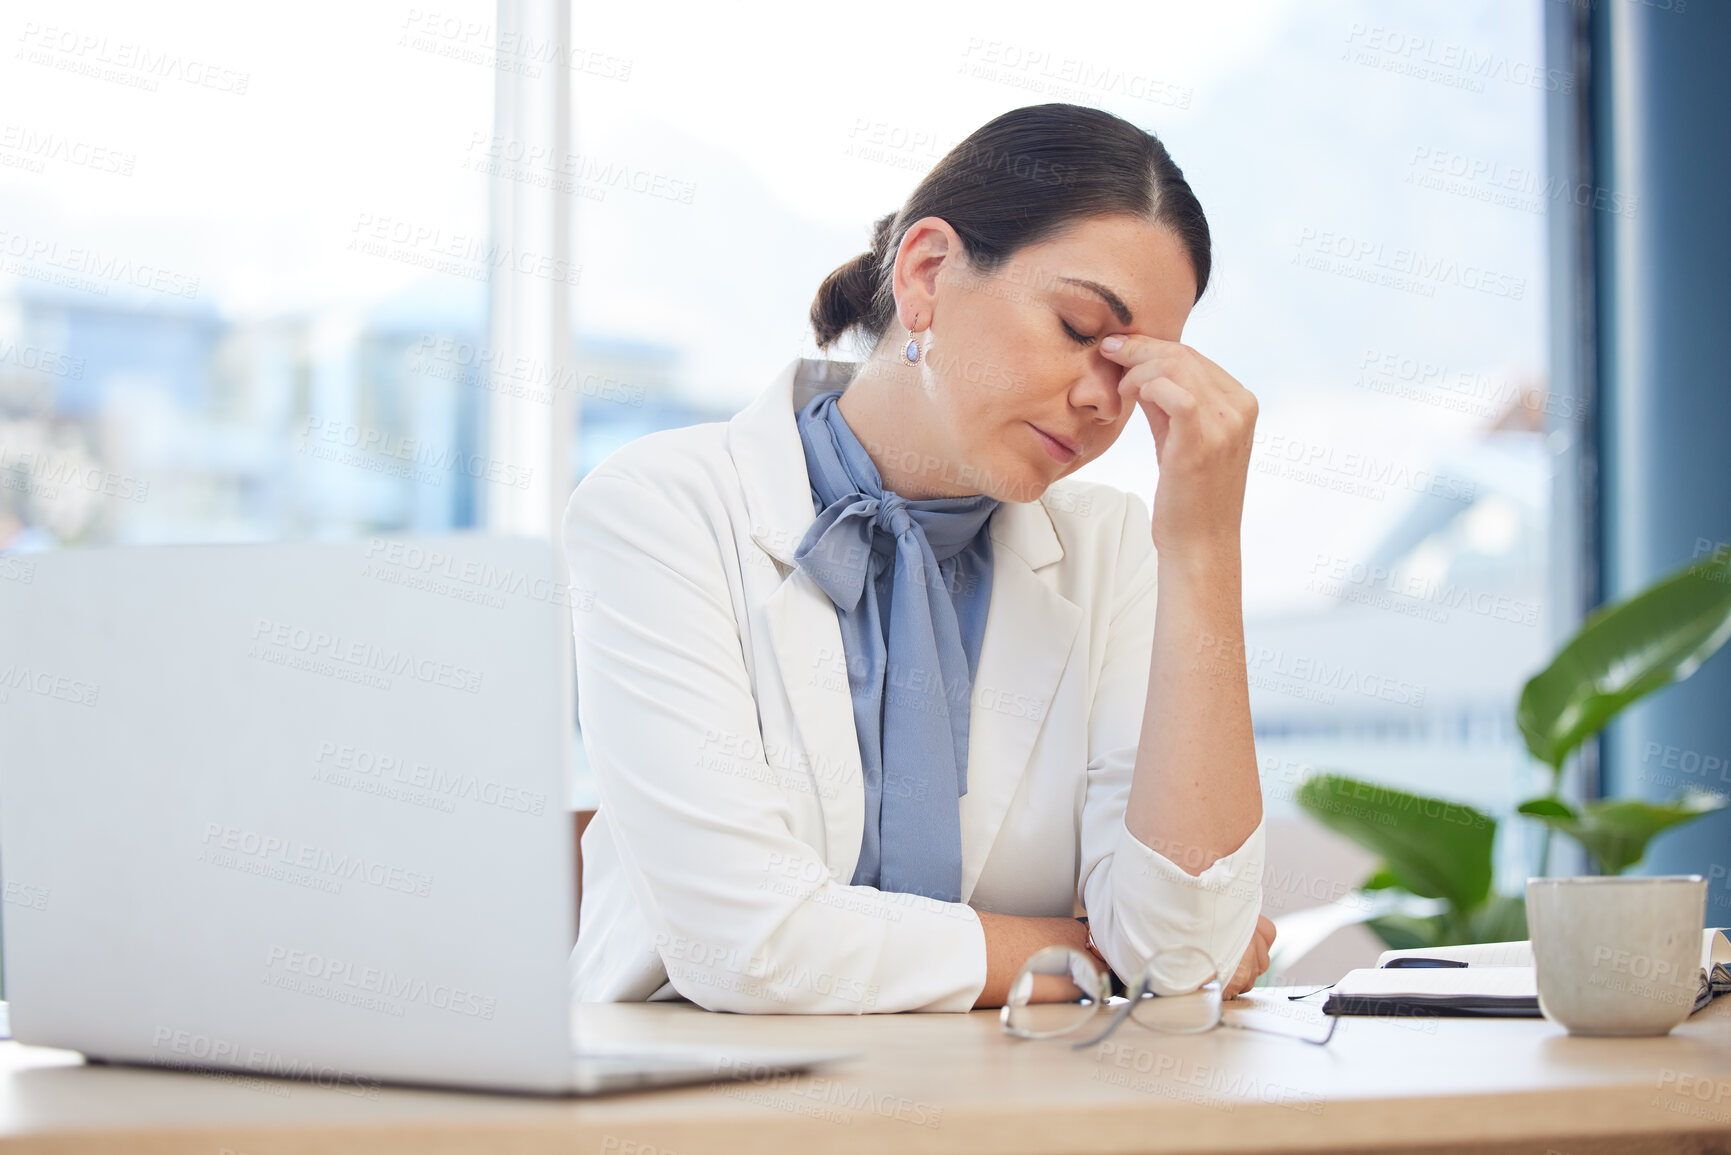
(1011, 940)
(1195, 796)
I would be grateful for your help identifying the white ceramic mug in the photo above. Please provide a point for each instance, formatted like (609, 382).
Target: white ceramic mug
(1617, 955)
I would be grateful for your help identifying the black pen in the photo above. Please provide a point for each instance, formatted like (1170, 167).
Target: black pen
(1415, 961)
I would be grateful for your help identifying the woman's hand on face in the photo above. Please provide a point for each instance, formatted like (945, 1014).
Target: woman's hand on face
(1254, 962)
(1203, 421)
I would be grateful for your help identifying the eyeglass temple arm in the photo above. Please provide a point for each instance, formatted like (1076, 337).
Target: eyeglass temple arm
(1333, 1022)
(1112, 1024)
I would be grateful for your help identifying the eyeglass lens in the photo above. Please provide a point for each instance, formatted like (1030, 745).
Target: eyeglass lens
(1058, 990)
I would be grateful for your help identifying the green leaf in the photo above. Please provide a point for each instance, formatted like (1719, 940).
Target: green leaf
(1382, 878)
(1502, 919)
(1404, 932)
(1624, 652)
(1616, 831)
(1432, 847)
(1547, 808)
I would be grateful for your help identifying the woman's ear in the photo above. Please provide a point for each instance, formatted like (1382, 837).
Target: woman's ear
(927, 246)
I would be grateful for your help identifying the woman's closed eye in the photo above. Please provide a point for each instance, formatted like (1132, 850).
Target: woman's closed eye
(1079, 338)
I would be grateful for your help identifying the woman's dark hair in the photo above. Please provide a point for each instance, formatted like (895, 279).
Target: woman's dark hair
(1018, 180)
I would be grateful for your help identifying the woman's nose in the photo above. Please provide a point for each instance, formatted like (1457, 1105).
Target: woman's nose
(1098, 389)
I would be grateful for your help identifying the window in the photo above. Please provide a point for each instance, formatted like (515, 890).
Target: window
(234, 252)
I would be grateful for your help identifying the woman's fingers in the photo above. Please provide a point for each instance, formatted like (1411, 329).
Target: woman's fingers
(1163, 399)
(1147, 357)
(1203, 423)
(1135, 348)
(1245, 976)
(1255, 961)
(1181, 385)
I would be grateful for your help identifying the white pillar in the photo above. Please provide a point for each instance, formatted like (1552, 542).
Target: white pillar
(528, 290)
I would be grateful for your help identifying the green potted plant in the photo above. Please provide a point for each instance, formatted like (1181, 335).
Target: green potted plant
(1439, 850)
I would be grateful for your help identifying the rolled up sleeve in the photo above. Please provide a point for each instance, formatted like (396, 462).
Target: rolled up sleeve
(1139, 901)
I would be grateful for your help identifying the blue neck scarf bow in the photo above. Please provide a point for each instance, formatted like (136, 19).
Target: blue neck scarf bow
(912, 647)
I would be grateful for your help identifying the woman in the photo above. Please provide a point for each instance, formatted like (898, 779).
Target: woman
(877, 702)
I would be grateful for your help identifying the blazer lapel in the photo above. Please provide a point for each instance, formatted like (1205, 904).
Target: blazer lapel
(808, 655)
(763, 440)
(1030, 630)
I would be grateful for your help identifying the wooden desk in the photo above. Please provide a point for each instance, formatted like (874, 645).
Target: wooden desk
(951, 1083)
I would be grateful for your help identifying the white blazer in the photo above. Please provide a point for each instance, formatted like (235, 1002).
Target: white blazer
(714, 706)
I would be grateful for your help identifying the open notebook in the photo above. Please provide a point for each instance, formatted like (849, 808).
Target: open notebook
(1497, 981)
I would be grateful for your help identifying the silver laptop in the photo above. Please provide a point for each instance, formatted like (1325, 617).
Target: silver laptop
(299, 810)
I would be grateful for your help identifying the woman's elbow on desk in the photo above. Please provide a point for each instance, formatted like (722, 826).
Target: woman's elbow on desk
(847, 950)
(1144, 903)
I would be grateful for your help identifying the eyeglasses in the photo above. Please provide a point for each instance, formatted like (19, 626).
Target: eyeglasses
(1061, 990)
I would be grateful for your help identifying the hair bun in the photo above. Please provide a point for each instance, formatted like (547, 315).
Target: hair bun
(848, 295)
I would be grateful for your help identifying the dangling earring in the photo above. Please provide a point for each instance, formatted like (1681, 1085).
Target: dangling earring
(911, 351)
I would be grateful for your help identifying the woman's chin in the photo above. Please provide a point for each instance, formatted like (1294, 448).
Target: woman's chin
(1019, 480)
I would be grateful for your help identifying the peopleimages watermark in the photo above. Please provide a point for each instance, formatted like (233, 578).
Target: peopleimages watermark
(803, 876)
(574, 173)
(503, 49)
(895, 145)
(1399, 267)
(371, 767)
(87, 269)
(1411, 595)
(727, 966)
(816, 1096)
(1444, 62)
(280, 643)
(1036, 69)
(194, 1050)
(920, 688)
(44, 474)
(518, 375)
(1716, 553)
(348, 444)
(1690, 763)
(123, 62)
(1480, 394)
(32, 150)
(976, 371)
(1351, 472)
(1224, 657)
(1715, 872)
(25, 895)
(633, 1146)
(19, 678)
(411, 564)
(1699, 1096)
(369, 987)
(749, 756)
(1057, 497)
(1507, 186)
(1387, 797)
(48, 362)
(1644, 976)
(469, 255)
(302, 863)
(1176, 1077)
